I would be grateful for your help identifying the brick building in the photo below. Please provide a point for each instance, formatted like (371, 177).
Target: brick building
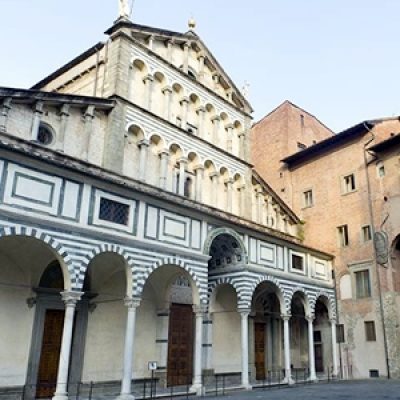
(345, 188)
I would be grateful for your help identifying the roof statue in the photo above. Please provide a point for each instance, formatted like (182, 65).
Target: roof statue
(124, 9)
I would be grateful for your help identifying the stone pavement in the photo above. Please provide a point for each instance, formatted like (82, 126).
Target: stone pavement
(353, 390)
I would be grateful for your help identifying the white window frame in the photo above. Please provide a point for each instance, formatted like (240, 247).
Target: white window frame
(344, 186)
(340, 237)
(360, 267)
(363, 235)
(295, 270)
(305, 205)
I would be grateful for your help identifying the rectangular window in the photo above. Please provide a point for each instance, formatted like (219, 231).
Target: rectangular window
(349, 183)
(340, 333)
(113, 211)
(297, 262)
(366, 233)
(308, 198)
(363, 286)
(370, 334)
(343, 233)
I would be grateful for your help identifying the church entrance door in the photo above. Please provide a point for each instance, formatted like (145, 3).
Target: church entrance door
(50, 354)
(180, 345)
(259, 349)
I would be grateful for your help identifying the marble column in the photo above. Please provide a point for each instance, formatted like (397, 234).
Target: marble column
(148, 83)
(198, 349)
(143, 146)
(131, 83)
(70, 299)
(88, 117)
(164, 156)
(167, 91)
(242, 200)
(126, 386)
(208, 341)
(229, 194)
(182, 175)
(286, 344)
(216, 123)
(215, 78)
(37, 117)
(6, 107)
(186, 47)
(201, 112)
(311, 355)
(259, 199)
(229, 139)
(335, 371)
(185, 110)
(64, 116)
(201, 59)
(199, 169)
(214, 188)
(242, 145)
(244, 317)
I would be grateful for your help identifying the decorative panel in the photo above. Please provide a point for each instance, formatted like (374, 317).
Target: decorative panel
(266, 254)
(320, 269)
(32, 190)
(174, 228)
(70, 207)
(195, 239)
(152, 222)
(253, 250)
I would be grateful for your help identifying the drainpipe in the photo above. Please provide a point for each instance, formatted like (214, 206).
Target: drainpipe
(338, 321)
(371, 217)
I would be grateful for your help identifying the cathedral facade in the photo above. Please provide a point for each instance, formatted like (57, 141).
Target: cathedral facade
(135, 233)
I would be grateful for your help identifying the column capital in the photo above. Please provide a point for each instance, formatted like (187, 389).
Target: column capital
(242, 187)
(242, 134)
(333, 321)
(198, 167)
(132, 302)
(64, 111)
(7, 103)
(185, 100)
(89, 111)
(144, 142)
(310, 318)
(201, 109)
(182, 160)
(71, 298)
(187, 44)
(38, 107)
(229, 126)
(201, 55)
(215, 118)
(167, 89)
(229, 181)
(148, 77)
(214, 174)
(286, 317)
(244, 312)
(200, 309)
(170, 42)
(163, 152)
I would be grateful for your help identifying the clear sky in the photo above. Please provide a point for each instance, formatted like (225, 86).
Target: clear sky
(338, 59)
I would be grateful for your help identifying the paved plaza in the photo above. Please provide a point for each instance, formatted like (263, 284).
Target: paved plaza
(355, 390)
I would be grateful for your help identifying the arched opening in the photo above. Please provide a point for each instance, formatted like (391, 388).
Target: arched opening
(137, 86)
(225, 332)
(266, 333)
(108, 275)
(159, 84)
(226, 252)
(208, 192)
(176, 108)
(298, 333)
(165, 326)
(133, 137)
(322, 337)
(153, 165)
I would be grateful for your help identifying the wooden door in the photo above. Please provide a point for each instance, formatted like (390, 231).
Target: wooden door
(259, 350)
(180, 345)
(50, 354)
(319, 358)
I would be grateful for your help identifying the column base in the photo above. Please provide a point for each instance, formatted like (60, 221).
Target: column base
(288, 380)
(60, 396)
(313, 379)
(198, 388)
(125, 397)
(246, 386)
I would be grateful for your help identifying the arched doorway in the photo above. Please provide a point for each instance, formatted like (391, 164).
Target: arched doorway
(266, 336)
(166, 325)
(322, 337)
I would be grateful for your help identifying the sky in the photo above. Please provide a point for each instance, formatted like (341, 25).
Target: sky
(337, 59)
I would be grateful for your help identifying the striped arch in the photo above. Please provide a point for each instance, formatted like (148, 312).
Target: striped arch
(225, 280)
(284, 297)
(307, 305)
(138, 284)
(67, 265)
(331, 303)
(109, 248)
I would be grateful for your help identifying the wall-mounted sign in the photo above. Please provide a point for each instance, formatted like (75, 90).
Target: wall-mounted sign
(152, 365)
